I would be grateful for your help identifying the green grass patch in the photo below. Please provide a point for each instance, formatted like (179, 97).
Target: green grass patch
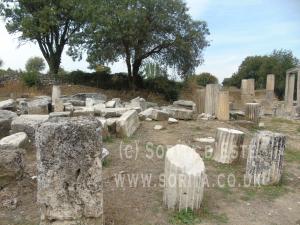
(184, 217)
(217, 218)
(106, 162)
(281, 120)
(108, 140)
(292, 155)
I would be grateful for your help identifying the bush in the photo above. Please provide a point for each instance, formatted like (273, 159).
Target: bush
(31, 79)
(162, 85)
(203, 79)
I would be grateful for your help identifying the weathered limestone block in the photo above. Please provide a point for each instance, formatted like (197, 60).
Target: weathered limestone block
(12, 162)
(223, 106)
(211, 98)
(60, 114)
(114, 103)
(228, 145)
(84, 96)
(70, 171)
(28, 124)
(9, 104)
(22, 107)
(56, 93)
(127, 124)
(109, 112)
(90, 102)
(265, 158)
(59, 105)
(200, 100)
(155, 114)
(184, 178)
(179, 113)
(138, 103)
(252, 112)
(18, 140)
(6, 118)
(83, 111)
(185, 104)
(38, 106)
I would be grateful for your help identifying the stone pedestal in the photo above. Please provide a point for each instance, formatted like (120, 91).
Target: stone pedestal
(252, 112)
(223, 106)
(247, 90)
(70, 171)
(211, 98)
(228, 145)
(265, 158)
(184, 178)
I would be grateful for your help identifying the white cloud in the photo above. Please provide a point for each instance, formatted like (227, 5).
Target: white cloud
(197, 7)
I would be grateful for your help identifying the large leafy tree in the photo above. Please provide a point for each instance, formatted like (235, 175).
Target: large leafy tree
(1, 63)
(49, 23)
(258, 67)
(35, 64)
(135, 30)
(204, 78)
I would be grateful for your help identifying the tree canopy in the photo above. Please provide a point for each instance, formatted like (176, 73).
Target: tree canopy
(258, 67)
(204, 78)
(35, 64)
(1, 63)
(135, 30)
(50, 24)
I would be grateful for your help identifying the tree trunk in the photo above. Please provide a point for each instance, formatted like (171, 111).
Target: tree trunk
(135, 72)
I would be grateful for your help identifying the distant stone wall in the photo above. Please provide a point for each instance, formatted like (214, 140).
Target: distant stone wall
(44, 78)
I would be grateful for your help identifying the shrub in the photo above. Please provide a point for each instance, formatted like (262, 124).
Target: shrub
(31, 79)
(203, 79)
(35, 64)
(162, 85)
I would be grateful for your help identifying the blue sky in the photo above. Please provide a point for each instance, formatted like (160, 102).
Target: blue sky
(239, 28)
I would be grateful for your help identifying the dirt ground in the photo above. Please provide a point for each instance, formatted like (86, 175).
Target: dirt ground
(142, 156)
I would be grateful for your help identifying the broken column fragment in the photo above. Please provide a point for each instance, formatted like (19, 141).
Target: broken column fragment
(265, 158)
(247, 90)
(228, 146)
(252, 112)
(70, 171)
(184, 178)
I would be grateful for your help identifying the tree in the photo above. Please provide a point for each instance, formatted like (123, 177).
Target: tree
(258, 67)
(50, 24)
(35, 64)
(204, 78)
(136, 30)
(1, 63)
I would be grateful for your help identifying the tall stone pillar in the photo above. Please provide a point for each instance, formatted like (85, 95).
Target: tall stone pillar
(270, 86)
(200, 100)
(291, 90)
(223, 106)
(286, 87)
(70, 171)
(211, 98)
(248, 90)
(265, 158)
(298, 88)
(56, 93)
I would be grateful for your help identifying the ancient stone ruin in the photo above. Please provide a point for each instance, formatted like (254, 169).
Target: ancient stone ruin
(265, 158)
(184, 178)
(70, 171)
